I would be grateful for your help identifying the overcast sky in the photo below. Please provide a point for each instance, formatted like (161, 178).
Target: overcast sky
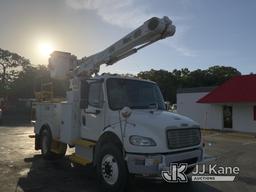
(209, 32)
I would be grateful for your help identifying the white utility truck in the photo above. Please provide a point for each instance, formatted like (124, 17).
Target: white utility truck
(118, 124)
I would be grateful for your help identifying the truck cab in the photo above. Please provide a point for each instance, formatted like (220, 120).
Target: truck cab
(148, 124)
(148, 129)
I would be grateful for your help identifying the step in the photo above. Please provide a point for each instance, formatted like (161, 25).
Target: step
(79, 160)
(84, 143)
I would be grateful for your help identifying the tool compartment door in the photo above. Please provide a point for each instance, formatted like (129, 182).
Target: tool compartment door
(69, 130)
(48, 114)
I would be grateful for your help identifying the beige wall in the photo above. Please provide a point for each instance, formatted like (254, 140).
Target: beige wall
(243, 117)
(211, 115)
(208, 116)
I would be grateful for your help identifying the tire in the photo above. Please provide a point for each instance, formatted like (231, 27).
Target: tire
(46, 142)
(112, 171)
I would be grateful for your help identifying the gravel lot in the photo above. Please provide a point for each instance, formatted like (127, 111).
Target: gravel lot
(23, 169)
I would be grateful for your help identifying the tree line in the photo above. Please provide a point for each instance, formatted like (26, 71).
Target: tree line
(170, 81)
(20, 79)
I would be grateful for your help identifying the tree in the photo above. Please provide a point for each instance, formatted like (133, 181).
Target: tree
(169, 82)
(11, 64)
(31, 79)
(219, 74)
(166, 81)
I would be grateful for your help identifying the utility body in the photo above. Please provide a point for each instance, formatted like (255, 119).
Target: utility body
(118, 124)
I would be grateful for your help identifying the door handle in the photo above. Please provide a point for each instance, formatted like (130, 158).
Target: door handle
(95, 112)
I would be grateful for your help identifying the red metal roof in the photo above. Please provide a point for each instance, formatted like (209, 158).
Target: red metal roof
(235, 90)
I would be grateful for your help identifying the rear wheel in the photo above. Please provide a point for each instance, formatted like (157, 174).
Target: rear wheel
(111, 169)
(46, 143)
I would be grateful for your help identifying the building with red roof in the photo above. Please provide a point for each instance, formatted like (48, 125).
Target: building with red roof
(230, 106)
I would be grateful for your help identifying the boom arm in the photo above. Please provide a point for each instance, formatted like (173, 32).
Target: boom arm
(61, 64)
(151, 31)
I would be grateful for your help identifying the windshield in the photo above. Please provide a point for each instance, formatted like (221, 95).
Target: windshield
(134, 94)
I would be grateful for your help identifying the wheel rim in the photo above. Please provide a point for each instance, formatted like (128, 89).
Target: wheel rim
(109, 169)
(45, 142)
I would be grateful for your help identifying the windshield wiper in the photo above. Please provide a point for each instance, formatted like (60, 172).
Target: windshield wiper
(138, 107)
(150, 106)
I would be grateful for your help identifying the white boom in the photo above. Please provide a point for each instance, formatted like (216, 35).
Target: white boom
(151, 31)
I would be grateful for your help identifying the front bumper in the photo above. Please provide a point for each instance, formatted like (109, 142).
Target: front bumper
(153, 164)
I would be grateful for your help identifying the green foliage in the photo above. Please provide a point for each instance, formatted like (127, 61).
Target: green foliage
(19, 79)
(169, 82)
(11, 64)
(32, 79)
(28, 81)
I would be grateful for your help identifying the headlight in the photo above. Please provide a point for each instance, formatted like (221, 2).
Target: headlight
(142, 141)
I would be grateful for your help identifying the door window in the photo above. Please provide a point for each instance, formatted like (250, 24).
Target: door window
(95, 94)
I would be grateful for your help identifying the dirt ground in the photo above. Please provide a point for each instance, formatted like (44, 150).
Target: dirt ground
(23, 169)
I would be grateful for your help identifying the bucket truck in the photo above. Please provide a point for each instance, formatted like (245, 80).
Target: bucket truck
(118, 124)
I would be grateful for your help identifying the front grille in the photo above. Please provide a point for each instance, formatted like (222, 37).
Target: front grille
(180, 138)
(188, 161)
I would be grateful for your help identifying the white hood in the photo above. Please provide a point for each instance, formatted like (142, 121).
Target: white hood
(160, 119)
(154, 125)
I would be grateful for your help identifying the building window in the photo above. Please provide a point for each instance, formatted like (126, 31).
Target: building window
(254, 113)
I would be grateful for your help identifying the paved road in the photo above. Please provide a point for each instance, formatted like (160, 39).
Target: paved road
(23, 169)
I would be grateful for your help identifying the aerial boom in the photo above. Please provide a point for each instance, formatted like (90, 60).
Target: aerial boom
(61, 64)
(152, 30)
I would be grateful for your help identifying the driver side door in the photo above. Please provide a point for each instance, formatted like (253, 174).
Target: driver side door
(92, 117)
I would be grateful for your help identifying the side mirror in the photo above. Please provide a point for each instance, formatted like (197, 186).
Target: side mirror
(126, 112)
(84, 94)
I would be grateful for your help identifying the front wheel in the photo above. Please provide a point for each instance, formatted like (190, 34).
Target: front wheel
(111, 169)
